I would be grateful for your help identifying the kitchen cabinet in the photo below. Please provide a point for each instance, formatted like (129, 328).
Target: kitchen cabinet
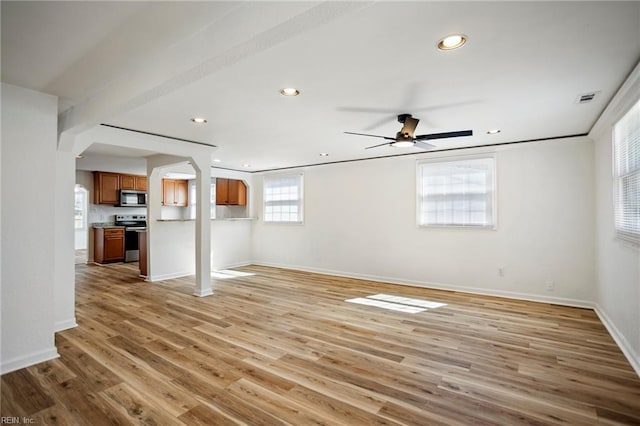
(142, 246)
(108, 245)
(106, 186)
(175, 192)
(230, 192)
(133, 182)
(141, 183)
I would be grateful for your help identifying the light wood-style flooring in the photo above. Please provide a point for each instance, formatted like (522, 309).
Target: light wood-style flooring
(283, 347)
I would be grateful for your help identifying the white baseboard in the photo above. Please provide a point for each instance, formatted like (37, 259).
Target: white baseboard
(173, 275)
(621, 341)
(204, 293)
(28, 360)
(440, 286)
(170, 276)
(65, 325)
(234, 265)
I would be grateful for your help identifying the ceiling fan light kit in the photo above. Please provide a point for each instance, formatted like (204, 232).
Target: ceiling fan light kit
(405, 137)
(402, 144)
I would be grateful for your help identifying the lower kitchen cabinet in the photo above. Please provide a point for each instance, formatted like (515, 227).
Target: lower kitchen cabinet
(108, 245)
(142, 246)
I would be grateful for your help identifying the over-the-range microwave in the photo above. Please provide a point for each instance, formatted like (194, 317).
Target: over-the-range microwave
(130, 198)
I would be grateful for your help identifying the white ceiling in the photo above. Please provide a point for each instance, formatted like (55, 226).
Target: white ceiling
(357, 66)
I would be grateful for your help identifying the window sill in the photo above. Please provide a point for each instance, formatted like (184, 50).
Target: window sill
(481, 227)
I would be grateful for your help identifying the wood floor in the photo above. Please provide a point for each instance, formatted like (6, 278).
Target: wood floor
(283, 347)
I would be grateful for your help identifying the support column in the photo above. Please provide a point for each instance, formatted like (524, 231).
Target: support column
(202, 165)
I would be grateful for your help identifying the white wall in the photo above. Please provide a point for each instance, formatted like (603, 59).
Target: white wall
(109, 163)
(173, 249)
(172, 243)
(64, 259)
(618, 263)
(360, 221)
(174, 246)
(230, 243)
(29, 123)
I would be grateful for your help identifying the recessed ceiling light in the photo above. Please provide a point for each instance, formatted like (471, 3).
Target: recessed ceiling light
(199, 120)
(289, 91)
(246, 165)
(216, 160)
(79, 156)
(324, 154)
(451, 42)
(493, 131)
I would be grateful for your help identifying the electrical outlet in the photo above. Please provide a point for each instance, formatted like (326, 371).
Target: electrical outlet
(550, 285)
(501, 272)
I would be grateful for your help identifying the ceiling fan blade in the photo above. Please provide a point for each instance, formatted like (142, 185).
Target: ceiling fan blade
(444, 135)
(438, 107)
(372, 136)
(423, 145)
(409, 127)
(382, 144)
(384, 120)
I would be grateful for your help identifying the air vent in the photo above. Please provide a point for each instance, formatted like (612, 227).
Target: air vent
(585, 98)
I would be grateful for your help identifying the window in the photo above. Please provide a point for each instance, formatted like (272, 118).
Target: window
(283, 199)
(193, 199)
(457, 192)
(80, 209)
(626, 174)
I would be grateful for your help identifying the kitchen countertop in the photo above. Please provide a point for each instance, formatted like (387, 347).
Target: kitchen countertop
(105, 225)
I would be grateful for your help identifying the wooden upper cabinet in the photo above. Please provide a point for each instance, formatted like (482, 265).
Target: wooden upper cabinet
(182, 192)
(168, 192)
(133, 182)
(230, 192)
(106, 186)
(222, 191)
(141, 183)
(127, 182)
(175, 192)
(237, 193)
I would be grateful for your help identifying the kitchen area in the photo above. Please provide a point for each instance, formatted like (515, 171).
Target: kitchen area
(118, 228)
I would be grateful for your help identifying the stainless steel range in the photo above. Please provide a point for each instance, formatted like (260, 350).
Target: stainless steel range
(132, 224)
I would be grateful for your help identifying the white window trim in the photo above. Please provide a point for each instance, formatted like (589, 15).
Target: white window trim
(446, 159)
(626, 238)
(302, 196)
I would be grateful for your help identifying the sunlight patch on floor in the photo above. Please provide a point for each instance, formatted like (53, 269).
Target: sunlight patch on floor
(228, 273)
(407, 301)
(396, 303)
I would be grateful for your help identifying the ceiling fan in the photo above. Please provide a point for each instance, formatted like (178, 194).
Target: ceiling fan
(405, 137)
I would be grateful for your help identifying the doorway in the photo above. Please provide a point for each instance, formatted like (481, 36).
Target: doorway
(81, 231)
